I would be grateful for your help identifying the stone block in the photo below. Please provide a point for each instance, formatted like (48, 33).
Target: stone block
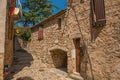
(1, 61)
(1, 74)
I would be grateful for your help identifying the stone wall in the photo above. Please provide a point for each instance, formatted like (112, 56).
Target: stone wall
(8, 52)
(8, 57)
(2, 34)
(53, 39)
(59, 58)
(6, 44)
(103, 53)
(1, 65)
(100, 58)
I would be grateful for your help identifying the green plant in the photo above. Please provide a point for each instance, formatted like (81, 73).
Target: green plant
(34, 11)
(26, 35)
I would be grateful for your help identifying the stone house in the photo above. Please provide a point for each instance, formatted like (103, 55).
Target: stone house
(70, 39)
(6, 35)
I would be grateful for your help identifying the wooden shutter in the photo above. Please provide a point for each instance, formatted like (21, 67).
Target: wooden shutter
(10, 28)
(40, 34)
(59, 23)
(99, 10)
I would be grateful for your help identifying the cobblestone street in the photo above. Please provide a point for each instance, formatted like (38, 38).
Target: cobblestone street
(24, 69)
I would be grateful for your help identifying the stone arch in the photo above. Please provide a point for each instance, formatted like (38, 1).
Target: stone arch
(57, 47)
(59, 57)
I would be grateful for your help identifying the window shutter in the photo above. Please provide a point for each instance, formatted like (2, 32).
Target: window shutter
(59, 23)
(10, 28)
(99, 11)
(40, 34)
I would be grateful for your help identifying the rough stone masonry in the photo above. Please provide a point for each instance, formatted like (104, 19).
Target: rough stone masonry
(2, 34)
(104, 51)
(101, 56)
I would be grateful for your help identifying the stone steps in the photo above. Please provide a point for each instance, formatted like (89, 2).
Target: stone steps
(35, 68)
(22, 62)
(24, 58)
(76, 77)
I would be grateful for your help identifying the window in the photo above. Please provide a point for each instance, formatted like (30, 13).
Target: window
(40, 34)
(98, 10)
(59, 23)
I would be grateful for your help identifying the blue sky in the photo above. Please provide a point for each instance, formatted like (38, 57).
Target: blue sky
(60, 3)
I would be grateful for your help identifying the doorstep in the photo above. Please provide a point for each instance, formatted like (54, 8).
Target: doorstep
(76, 76)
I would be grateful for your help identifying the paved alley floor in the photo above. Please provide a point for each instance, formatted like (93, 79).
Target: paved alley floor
(23, 69)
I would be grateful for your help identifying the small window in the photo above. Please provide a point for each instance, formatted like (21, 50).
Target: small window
(40, 34)
(59, 23)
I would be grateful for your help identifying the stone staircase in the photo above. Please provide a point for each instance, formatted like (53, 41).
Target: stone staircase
(27, 67)
(21, 59)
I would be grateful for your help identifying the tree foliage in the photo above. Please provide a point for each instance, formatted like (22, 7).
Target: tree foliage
(26, 35)
(22, 33)
(35, 11)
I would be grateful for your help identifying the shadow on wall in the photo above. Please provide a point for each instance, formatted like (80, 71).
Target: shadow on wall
(86, 65)
(19, 44)
(22, 59)
(24, 78)
(95, 31)
(59, 58)
(24, 45)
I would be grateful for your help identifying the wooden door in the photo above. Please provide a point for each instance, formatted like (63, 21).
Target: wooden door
(77, 46)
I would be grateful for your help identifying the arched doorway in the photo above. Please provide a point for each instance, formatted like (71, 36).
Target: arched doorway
(59, 58)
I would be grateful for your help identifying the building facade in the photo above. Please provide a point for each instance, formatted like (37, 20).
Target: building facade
(102, 42)
(8, 57)
(2, 34)
(70, 40)
(6, 35)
